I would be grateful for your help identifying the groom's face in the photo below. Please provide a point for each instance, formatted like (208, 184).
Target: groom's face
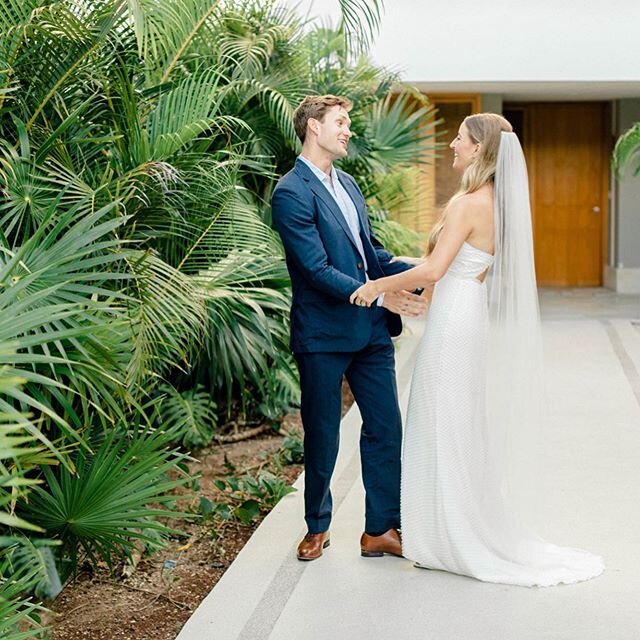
(333, 132)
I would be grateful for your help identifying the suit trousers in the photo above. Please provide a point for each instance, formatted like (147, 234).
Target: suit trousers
(371, 376)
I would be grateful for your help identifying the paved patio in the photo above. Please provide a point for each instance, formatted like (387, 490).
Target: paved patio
(591, 473)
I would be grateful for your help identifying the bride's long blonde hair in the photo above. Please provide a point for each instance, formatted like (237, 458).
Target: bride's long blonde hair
(484, 129)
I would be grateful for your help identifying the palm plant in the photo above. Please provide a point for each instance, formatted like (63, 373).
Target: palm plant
(101, 508)
(121, 198)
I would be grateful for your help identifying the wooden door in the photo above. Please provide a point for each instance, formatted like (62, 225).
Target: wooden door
(567, 155)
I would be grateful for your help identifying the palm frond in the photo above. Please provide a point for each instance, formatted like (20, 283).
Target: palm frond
(16, 445)
(187, 110)
(167, 31)
(208, 216)
(62, 298)
(361, 21)
(627, 149)
(189, 416)
(167, 317)
(276, 104)
(398, 131)
(252, 36)
(61, 40)
(16, 611)
(15, 16)
(247, 302)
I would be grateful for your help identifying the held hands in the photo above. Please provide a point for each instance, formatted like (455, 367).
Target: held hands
(405, 303)
(401, 302)
(365, 295)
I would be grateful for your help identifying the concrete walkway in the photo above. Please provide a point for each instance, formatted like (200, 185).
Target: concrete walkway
(592, 471)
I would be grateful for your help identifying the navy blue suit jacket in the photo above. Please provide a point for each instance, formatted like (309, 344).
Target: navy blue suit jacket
(325, 265)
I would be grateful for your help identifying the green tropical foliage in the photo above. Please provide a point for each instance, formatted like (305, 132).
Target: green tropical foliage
(189, 416)
(102, 507)
(18, 452)
(143, 294)
(16, 611)
(627, 151)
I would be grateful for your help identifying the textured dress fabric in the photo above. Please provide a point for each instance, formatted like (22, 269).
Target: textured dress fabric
(452, 514)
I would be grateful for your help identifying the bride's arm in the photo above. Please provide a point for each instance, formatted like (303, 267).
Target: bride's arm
(455, 231)
(408, 260)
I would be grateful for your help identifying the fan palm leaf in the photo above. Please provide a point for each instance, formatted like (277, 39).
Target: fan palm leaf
(398, 131)
(102, 508)
(58, 303)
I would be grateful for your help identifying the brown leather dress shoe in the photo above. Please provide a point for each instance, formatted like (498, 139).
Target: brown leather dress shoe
(311, 546)
(376, 546)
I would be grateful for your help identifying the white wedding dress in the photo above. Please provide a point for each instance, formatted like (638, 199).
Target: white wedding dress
(453, 516)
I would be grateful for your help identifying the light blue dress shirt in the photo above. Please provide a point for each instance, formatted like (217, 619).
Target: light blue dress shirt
(346, 206)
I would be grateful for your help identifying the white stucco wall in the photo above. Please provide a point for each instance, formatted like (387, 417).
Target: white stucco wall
(505, 40)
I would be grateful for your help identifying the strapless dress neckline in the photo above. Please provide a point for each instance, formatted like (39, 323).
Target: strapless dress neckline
(486, 253)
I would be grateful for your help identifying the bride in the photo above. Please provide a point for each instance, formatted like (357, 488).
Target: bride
(476, 384)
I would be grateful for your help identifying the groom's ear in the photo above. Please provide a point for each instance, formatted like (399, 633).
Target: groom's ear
(313, 124)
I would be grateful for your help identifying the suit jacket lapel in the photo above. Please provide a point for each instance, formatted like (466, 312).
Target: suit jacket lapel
(321, 191)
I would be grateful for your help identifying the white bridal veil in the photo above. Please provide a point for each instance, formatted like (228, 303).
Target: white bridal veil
(515, 396)
(514, 383)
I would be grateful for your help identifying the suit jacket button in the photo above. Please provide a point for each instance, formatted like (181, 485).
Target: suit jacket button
(360, 265)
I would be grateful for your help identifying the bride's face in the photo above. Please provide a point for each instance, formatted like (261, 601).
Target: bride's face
(464, 149)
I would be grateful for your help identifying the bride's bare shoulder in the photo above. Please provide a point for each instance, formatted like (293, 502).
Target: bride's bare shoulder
(474, 204)
(479, 199)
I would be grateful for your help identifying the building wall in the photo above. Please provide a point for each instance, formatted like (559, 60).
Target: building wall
(503, 40)
(491, 102)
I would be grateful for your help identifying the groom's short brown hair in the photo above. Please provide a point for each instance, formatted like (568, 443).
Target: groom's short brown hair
(315, 107)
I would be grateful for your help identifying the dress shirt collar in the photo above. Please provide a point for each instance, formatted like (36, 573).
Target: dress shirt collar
(319, 173)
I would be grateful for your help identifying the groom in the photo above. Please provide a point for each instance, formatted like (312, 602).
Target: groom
(321, 217)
